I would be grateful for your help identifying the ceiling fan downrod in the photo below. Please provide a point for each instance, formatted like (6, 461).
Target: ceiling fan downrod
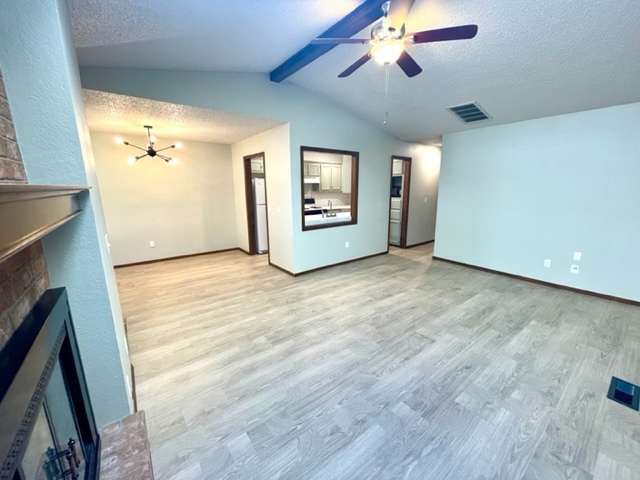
(386, 93)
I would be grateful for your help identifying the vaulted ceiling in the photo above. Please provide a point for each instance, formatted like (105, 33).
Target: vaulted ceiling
(530, 58)
(125, 115)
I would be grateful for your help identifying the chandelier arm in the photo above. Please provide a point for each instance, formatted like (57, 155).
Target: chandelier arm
(149, 135)
(165, 148)
(142, 156)
(163, 157)
(135, 146)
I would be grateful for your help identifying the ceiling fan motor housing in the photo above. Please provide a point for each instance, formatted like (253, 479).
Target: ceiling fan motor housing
(381, 32)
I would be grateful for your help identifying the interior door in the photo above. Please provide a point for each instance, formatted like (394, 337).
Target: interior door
(257, 219)
(399, 201)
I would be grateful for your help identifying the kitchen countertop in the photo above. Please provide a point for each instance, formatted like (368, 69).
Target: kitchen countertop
(334, 207)
(320, 220)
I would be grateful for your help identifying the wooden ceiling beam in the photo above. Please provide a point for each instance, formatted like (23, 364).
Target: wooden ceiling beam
(367, 13)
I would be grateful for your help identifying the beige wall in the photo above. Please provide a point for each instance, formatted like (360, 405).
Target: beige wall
(275, 145)
(425, 173)
(185, 209)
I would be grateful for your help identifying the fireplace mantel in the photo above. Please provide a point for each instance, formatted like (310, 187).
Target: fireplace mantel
(29, 212)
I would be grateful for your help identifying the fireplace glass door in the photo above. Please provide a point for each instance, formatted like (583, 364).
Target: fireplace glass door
(55, 449)
(56, 439)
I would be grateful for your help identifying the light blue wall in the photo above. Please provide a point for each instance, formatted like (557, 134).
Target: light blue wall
(313, 122)
(39, 67)
(514, 195)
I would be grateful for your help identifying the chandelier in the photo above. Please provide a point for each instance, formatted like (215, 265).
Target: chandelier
(150, 151)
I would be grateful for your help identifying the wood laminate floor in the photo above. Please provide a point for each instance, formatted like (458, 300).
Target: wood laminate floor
(392, 367)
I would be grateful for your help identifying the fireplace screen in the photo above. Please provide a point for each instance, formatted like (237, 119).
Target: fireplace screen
(48, 429)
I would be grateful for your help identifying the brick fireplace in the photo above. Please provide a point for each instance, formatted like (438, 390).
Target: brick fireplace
(24, 276)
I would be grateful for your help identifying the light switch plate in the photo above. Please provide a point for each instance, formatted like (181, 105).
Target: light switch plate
(577, 256)
(575, 269)
(547, 263)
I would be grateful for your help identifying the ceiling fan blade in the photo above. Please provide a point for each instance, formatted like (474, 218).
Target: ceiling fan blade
(398, 11)
(443, 34)
(336, 41)
(361, 61)
(408, 65)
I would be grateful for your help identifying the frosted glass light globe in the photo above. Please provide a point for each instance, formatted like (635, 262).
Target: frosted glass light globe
(387, 52)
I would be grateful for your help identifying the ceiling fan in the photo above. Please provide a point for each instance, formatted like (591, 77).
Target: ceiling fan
(388, 39)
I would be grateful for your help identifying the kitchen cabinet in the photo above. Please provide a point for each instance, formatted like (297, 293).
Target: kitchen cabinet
(395, 221)
(330, 178)
(257, 166)
(398, 167)
(346, 174)
(313, 169)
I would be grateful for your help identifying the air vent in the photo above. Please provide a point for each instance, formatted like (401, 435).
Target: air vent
(625, 393)
(469, 112)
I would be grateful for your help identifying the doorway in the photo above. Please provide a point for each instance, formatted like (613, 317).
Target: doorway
(255, 188)
(399, 203)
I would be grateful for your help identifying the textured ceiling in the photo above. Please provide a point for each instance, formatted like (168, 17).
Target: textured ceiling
(530, 58)
(121, 114)
(211, 35)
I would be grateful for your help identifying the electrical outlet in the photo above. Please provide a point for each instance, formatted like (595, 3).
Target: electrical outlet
(547, 263)
(577, 256)
(575, 269)
(346, 244)
(152, 244)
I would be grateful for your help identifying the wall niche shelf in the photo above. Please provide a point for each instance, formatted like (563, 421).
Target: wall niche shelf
(29, 212)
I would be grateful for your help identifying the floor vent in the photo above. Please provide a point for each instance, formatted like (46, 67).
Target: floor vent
(469, 112)
(625, 393)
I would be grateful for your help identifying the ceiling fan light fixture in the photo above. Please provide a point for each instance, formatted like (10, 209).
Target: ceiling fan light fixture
(387, 52)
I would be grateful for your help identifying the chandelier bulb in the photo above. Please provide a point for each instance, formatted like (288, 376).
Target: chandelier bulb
(178, 145)
(132, 160)
(119, 141)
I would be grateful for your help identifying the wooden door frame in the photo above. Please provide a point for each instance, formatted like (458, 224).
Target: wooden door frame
(406, 191)
(250, 201)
